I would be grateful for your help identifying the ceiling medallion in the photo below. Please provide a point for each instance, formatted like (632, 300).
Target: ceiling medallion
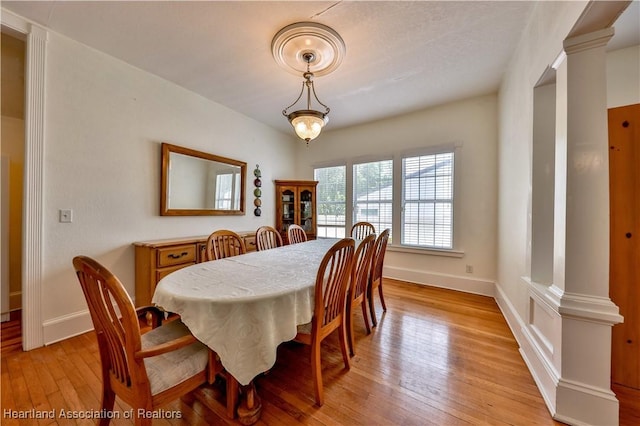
(291, 43)
(310, 49)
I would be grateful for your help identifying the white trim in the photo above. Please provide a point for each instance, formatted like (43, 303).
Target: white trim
(14, 22)
(33, 227)
(595, 309)
(326, 164)
(543, 372)
(365, 159)
(425, 251)
(66, 326)
(562, 56)
(588, 41)
(452, 282)
(598, 405)
(432, 149)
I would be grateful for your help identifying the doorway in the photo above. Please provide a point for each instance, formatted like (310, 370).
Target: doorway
(12, 185)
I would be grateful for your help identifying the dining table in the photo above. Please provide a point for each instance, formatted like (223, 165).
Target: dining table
(243, 307)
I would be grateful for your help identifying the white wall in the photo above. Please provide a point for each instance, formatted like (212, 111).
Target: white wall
(471, 123)
(547, 336)
(539, 47)
(105, 121)
(623, 77)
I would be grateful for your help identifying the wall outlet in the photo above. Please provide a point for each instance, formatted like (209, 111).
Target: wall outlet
(469, 269)
(65, 216)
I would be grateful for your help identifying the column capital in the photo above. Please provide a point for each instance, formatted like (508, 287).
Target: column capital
(588, 41)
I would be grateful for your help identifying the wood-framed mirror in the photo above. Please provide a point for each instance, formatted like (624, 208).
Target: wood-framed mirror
(196, 183)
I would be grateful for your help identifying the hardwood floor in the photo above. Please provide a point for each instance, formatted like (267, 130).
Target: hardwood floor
(437, 357)
(11, 333)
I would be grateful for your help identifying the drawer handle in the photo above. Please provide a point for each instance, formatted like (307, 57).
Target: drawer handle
(178, 256)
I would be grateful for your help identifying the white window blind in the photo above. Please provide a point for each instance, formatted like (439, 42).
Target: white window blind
(331, 201)
(373, 194)
(225, 190)
(427, 219)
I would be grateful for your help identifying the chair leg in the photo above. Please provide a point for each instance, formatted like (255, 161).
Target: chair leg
(372, 308)
(232, 395)
(349, 320)
(316, 372)
(384, 305)
(365, 315)
(142, 420)
(108, 401)
(342, 331)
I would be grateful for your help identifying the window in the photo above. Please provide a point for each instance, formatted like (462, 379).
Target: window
(423, 201)
(331, 201)
(373, 193)
(225, 190)
(427, 218)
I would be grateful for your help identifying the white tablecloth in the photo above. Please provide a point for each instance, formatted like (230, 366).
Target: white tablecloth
(243, 307)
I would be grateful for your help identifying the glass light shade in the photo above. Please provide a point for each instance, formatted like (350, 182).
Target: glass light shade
(307, 123)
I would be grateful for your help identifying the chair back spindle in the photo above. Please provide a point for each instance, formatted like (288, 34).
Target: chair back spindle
(224, 243)
(267, 237)
(361, 229)
(295, 234)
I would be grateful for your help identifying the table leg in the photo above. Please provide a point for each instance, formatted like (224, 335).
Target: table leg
(250, 406)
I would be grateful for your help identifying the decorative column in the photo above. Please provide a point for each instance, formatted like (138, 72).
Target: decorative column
(33, 228)
(581, 264)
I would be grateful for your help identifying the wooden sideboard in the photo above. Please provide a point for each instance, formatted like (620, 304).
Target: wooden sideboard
(157, 258)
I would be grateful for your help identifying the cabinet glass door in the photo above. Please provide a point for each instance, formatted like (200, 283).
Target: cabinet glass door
(306, 209)
(288, 208)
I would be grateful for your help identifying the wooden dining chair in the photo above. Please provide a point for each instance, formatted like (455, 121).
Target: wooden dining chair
(375, 278)
(145, 370)
(359, 280)
(361, 229)
(267, 237)
(332, 280)
(295, 234)
(224, 243)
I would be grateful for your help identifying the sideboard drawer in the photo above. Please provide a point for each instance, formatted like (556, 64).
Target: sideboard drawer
(161, 273)
(177, 255)
(250, 242)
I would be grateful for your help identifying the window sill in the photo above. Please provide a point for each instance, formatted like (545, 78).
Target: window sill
(427, 251)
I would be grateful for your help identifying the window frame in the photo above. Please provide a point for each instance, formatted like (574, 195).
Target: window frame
(354, 202)
(435, 200)
(347, 194)
(395, 244)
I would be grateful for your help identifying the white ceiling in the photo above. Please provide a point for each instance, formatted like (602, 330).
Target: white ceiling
(401, 55)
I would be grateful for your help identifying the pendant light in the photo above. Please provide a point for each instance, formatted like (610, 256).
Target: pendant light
(310, 49)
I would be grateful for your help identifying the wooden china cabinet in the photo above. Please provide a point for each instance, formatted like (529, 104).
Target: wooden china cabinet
(296, 203)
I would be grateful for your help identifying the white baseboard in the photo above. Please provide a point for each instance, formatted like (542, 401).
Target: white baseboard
(453, 282)
(66, 326)
(542, 375)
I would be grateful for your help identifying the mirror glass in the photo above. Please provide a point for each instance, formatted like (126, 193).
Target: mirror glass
(196, 183)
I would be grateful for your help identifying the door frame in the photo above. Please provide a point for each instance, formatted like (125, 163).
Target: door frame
(33, 228)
